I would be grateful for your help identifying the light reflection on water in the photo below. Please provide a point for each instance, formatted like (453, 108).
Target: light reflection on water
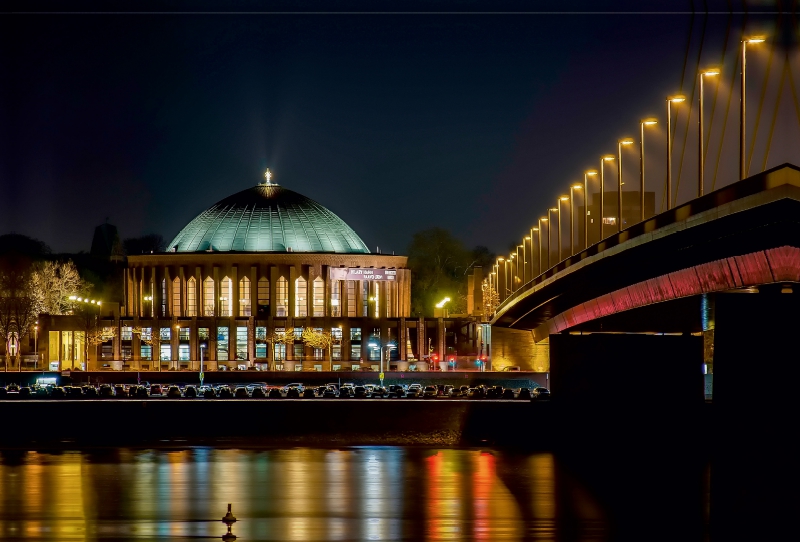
(382, 493)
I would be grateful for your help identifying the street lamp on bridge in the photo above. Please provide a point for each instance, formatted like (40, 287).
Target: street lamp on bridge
(558, 203)
(572, 190)
(670, 101)
(620, 143)
(549, 233)
(543, 219)
(603, 160)
(586, 175)
(742, 109)
(700, 154)
(645, 122)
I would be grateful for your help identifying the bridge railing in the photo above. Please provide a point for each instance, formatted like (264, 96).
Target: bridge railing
(785, 174)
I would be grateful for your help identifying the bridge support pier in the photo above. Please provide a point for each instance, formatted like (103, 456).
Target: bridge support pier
(756, 381)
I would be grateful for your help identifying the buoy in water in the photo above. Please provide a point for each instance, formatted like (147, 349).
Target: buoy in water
(229, 517)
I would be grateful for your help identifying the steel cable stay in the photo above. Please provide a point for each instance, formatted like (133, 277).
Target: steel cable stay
(761, 105)
(689, 109)
(683, 76)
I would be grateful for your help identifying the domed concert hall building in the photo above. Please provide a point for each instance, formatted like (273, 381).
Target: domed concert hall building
(241, 281)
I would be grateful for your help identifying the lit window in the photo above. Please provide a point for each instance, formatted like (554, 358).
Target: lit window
(300, 307)
(208, 297)
(191, 297)
(225, 299)
(244, 297)
(319, 296)
(176, 297)
(241, 343)
(336, 298)
(127, 333)
(222, 343)
(282, 298)
(261, 342)
(183, 334)
(351, 298)
(165, 333)
(263, 296)
(163, 297)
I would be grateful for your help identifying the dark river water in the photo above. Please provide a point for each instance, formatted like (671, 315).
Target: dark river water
(381, 493)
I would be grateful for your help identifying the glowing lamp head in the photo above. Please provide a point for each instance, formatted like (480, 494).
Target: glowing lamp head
(755, 39)
(677, 99)
(563, 198)
(649, 122)
(591, 172)
(712, 71)
(608, 158)
(528, 237)
(626, 141)
(543, 219)
(441, 303)
(576, 187)
(554, 209)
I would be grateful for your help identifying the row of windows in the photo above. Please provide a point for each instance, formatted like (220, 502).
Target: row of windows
(262, 342)
(210, 307)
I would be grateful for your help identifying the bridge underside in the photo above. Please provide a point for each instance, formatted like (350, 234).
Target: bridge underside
(658, 280)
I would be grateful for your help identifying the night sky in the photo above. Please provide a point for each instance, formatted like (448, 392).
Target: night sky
(396, 121)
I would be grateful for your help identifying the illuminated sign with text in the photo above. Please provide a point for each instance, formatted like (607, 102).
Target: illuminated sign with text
(362, 273)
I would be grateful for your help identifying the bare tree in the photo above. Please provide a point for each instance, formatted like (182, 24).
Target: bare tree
(491, 299)
(280, 337)
(321, 339)
(54, 283)
(19, 304)
(152, 338)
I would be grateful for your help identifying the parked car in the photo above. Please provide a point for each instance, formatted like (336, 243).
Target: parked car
(508, 393)
(142, 392)
(524, 393)
(378, 391)
(120, 391)
(275, 393)
(56, 393)
(293, 393)
(495, 392)
(460, 392)
(25, 392)
(190, 392)
(156, 389)
(309, 393)
(445, 390)
(346, 392)
(253, 385)
(413, 393)
(106, 391)
(174, 392)
(416, 386)
(541, 394)
(395, 391)
(90, 392)
(360, 392)
(258, 393)
(297, 385)
(329, 392)
(430, 392)
(225, 392)
(73, 392)
(241, 393)
(476, 393)
(209, 393)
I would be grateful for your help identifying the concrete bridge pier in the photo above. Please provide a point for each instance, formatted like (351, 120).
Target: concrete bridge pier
(754, 469)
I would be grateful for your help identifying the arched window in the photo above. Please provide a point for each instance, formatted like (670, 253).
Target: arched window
(263, 296)
(282, 297)
(176, 297)
(164, 297)
(336, 298)
(208, 297)
(244, 297)
(318, 294)
(300, 296)
(225, 297)
(191, 297)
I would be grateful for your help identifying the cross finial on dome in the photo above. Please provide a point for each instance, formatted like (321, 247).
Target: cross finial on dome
(268, 176)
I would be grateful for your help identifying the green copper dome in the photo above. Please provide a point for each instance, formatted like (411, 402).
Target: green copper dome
(268, 218)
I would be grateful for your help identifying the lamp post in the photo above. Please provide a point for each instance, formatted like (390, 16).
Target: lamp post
(501, 288)
(645, 122)
(543, 219)
(558, 203)
(742, 109)
(201, 365)
(700, 158)
(620, 143)
(586, 175)
(549, 232)
(528, 240)
(572, 190)
(36, 344)
(520, 263)
(603, 160)
(670, 101)
(441, 305)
